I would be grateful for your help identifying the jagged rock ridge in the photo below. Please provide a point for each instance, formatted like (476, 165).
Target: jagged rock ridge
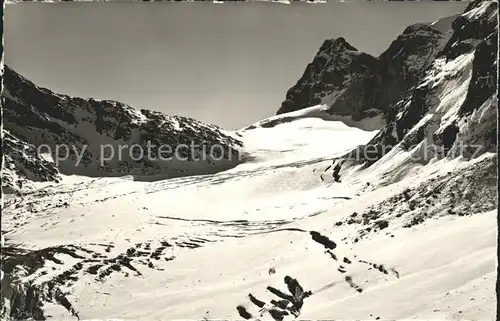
(90, 132)
(453, 106)
(356, 84)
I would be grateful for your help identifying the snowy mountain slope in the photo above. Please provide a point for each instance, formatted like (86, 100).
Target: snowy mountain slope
(85, 134)
(452, 110)
(401, 236)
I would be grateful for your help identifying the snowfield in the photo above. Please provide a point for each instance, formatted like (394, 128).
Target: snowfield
(220, 246)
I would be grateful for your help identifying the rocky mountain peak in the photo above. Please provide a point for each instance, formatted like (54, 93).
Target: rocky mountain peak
(335, 45)
(335, 66)
(358, 85)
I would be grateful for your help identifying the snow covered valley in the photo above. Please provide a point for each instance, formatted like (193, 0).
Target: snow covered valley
(221, 245)
(302, 227)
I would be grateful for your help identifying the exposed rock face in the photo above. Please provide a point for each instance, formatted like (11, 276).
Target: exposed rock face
(359, 85)
(24, 165)
(484, 33)
(404, 62)
(85, 137)
(477, 23)
(453, 105)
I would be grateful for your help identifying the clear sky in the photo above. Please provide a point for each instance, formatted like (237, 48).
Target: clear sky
(228, 64)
